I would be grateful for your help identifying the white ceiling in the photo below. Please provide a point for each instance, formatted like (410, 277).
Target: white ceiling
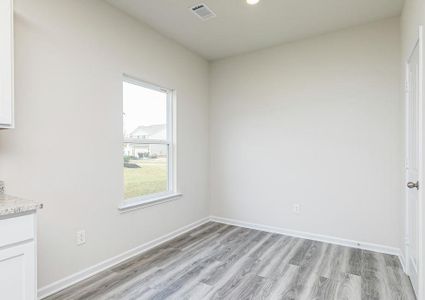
(240, 28)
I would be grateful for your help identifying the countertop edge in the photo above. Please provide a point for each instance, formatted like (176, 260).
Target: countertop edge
(11, 205)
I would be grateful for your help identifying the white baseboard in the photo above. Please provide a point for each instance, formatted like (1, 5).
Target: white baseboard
(311, 236)
(93, 270)
(402, 261)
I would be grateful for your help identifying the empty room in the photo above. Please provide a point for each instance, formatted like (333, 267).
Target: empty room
(212, 149)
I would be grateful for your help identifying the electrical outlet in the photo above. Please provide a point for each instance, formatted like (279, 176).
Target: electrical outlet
(296, 208)
(81, 237)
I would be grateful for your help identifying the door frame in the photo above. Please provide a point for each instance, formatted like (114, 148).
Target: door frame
(421, 230)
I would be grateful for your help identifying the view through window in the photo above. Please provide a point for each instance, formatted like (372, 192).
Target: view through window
(147, 140)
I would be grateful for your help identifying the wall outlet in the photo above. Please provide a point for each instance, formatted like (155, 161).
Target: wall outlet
(296, 208)
(81, 237)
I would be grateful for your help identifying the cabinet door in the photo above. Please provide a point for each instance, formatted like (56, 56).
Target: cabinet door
(17, 272)
(6, 63)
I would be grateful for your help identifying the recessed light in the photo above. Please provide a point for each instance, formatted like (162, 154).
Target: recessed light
(252, 2)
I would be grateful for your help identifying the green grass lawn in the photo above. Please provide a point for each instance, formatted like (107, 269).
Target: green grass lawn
(149, 179)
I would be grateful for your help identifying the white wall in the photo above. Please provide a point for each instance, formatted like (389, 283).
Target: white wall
(315, 122)
(66, 149)
(412, 17)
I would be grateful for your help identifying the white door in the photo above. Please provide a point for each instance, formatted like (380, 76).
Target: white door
(17, 272)
(413, 106)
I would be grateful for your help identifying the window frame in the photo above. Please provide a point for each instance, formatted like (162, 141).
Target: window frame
(169, 142)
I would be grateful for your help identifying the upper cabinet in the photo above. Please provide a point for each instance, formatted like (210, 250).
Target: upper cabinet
(6, 64)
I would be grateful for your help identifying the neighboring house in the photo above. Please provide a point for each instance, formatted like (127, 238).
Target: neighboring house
(152, 132)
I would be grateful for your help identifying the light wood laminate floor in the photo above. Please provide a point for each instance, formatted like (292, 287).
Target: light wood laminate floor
(217, 261)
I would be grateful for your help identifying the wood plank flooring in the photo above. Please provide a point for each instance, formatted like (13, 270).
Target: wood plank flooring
(217, 261)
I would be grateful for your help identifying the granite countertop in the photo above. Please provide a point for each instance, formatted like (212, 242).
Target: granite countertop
(10, 205)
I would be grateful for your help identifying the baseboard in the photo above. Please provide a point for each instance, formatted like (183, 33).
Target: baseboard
(402, 261)
(311, 236)
(93, 270)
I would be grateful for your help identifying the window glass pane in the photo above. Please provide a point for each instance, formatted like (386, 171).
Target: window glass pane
(144, 113)
(145, 169)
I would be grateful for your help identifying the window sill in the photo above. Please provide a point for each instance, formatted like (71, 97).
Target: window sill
(137, 204)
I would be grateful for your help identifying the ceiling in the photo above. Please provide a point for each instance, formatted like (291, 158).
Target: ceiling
(240, 27)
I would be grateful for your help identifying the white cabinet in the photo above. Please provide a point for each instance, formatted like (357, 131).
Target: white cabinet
(17, 272)
(18, 258)
(6, 64)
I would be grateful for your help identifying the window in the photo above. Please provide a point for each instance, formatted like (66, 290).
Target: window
(147, 143)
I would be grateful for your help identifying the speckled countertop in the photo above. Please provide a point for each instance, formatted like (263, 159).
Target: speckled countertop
(10, 205)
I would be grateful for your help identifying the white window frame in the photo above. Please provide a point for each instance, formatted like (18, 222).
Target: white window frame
(171, 193)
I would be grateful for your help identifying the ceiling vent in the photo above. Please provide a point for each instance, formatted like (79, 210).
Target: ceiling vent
(203, 11)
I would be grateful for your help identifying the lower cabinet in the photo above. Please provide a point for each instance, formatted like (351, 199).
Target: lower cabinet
(18, 277)
(17, 272)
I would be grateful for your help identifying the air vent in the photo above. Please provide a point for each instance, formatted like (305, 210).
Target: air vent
(202, 11)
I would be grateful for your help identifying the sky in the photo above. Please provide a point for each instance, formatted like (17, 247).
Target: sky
(142, 106)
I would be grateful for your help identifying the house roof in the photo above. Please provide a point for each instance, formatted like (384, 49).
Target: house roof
(147, 130)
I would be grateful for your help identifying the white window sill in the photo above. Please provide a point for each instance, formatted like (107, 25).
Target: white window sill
(143, 203)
